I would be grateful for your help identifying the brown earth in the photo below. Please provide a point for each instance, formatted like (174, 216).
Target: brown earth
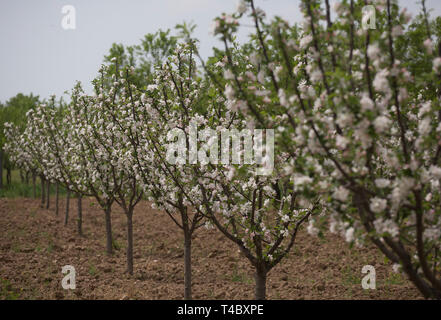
(34, 246)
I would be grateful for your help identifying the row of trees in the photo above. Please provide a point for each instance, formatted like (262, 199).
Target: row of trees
(13, 111)
(355, 114)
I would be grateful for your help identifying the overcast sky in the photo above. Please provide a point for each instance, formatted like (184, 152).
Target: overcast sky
(37, 55)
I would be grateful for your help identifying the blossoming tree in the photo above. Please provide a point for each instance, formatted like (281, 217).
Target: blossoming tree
(369, 117)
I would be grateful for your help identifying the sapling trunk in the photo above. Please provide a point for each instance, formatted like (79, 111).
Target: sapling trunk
(27, 177)
(187, 265)
(57, 194)
(8, 176)
(109, 245)
(22, 179)
(260, 288)
(34, 187)
(43, 195)
(66, 215)
(80, 215)
(48, 186)
(129, 242)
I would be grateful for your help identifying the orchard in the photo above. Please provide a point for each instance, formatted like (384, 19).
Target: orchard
(327, 126)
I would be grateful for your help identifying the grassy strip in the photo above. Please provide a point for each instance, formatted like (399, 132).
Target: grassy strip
(20, 189)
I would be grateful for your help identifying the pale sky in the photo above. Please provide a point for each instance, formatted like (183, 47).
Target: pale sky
(37, 55)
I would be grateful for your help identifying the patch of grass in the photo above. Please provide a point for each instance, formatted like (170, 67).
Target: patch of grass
(240, 277)
(349, 294)
(15, 247)
(394, 279)
(150, 250)
(116, 245)
(350, 277)
(50, 247)
(211, 293)
(17, 188)
(92, 270)
(7, 292)
(90, 250)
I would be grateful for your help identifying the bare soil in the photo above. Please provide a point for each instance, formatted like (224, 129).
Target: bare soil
(34, 246)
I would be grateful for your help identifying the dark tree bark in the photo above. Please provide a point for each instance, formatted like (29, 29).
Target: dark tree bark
(43, 195)
(80, 215)
(66, 216)
(109, 244)
(1, 168)
(57, 194)
(260, 289)
(188, 231)
(27, 177)
(48, 192)
(187, 265)
(130, 242)
(8, 176)
(34, 186)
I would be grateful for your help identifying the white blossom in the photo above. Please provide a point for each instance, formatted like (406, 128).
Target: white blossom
(377, 205)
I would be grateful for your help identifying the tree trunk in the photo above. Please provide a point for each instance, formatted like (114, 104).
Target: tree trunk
(22, 178)
(43, 196)
(66, 216)
(57, 194)
(109, 245)
(48, 185)
(27, 177)
(129, 242)
(80, 216)
(260, 289)
(8, 176)
(1, 168)
(187, 265)
(34, 187)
